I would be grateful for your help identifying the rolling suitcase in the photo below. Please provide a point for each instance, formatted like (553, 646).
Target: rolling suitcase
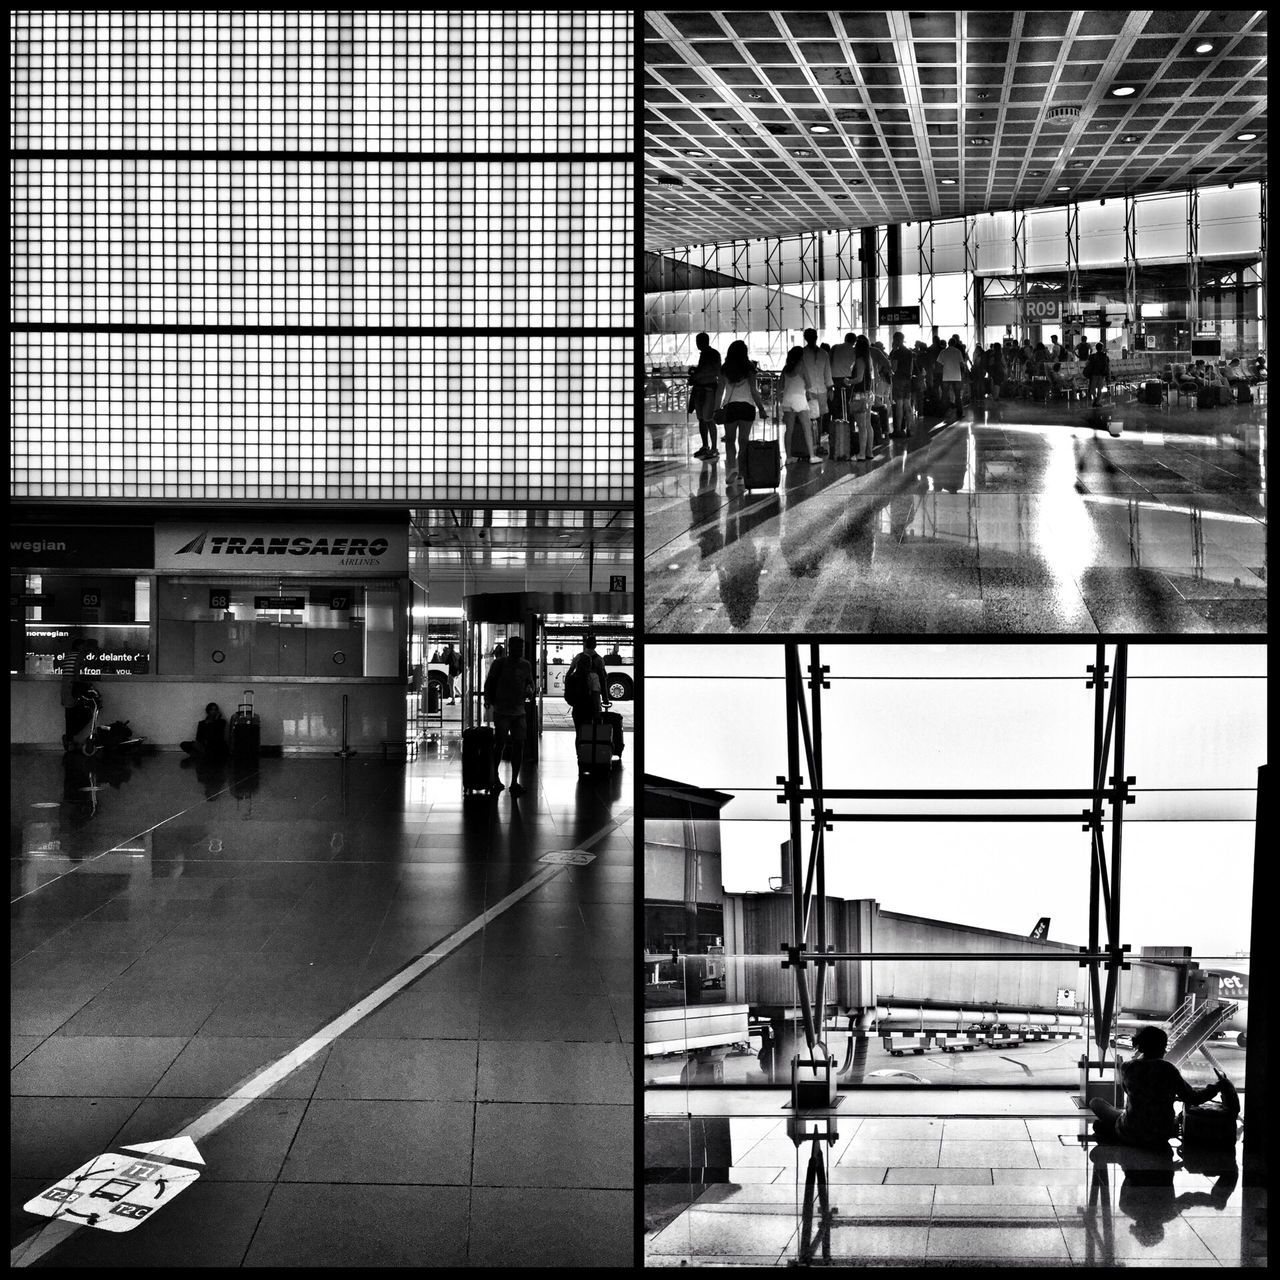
(841, 438)
(1243, 394)
(760, 465)
(594, 742)
(1152, 393)
(1040, 390)
(477, 759)
(1206, 397)
(246, 729)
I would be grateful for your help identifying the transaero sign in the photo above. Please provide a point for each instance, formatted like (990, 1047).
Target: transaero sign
(275, 549)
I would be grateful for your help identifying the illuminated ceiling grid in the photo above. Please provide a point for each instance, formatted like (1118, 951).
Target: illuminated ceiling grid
(912, 100)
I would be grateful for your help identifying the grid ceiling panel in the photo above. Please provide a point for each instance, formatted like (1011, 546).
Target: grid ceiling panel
(936, 114)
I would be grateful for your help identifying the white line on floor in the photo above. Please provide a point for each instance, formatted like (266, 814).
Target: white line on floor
(245, 1095)
(80, 866)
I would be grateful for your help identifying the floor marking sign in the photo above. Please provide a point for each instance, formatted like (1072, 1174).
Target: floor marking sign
(572, 857)
(121, 1188)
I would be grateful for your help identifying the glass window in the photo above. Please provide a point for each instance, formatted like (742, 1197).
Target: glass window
(253, 627)
(50, 612)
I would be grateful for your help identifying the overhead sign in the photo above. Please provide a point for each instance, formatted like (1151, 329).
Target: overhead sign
(90, 598)
(121, 1188)
(1095, 318)
(1044, 308)
(333, 549)
(279, 602)
(81, 546)
(899, 315)
(617, 582)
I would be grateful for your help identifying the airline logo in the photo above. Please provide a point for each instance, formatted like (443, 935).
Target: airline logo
(1233, 984)
(1041, 929)
(369, 549)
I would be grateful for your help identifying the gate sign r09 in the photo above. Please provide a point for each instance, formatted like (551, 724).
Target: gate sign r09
(1044, 308)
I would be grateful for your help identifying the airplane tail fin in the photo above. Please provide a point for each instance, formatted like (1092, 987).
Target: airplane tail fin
(1041, 929)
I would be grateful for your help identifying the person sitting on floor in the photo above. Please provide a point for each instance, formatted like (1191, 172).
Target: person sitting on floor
(1151, 1086)
(210, 742)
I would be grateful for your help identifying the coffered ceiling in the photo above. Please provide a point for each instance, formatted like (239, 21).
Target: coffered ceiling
(768, 123)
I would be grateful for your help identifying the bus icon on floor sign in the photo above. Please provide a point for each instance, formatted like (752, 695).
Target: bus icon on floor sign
(118, 1189)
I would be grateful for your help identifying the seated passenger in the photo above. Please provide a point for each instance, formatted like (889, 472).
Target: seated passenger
(1260, 368)
(1055, 376)
(1183, 378)
(1234, 372)
(1151, 1086)
(210, 742)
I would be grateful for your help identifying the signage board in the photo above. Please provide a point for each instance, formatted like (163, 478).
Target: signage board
(617, 582)
(219, 599)
(1066, 998)
(81, 546)
(32, 597)
(121, 1188)
(1151, 341)
(1044, 308)
(90, 598)
(1095, 319)
(332, 549)
(280, 602)
(899, 315)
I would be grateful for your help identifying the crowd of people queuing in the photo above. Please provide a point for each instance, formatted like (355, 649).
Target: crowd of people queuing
(884, 393)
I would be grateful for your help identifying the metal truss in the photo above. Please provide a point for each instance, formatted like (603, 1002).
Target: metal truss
(1074, 307)
(775, 334)
(885, 278)
(740, 251)
(1020, 269)
(683, 305)
(1193, 260)
(710, 256)
(1131, 267)
(810, 279)
(846, 282)
(1111, 789)
(926, 276)
(972, 305)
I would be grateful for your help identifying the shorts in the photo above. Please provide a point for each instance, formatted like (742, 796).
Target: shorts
(514, 726)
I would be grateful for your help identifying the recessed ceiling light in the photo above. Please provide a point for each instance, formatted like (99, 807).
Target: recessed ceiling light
(947, 182)
(1123, 91)
(1035, 173)
(820, 128)
(982, 97)
(1245, 137)
(802, 152)
(1129, 137)
(1205, 47)
(1062, 188)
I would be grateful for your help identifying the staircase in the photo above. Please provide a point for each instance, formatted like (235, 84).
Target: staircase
(1193, 1024)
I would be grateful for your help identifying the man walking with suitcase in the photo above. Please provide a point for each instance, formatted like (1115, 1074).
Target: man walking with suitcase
(508, 686)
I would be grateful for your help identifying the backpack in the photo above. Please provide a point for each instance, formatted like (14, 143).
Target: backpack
(575, 684)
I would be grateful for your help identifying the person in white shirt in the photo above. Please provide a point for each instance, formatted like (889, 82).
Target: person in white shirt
(817, 369)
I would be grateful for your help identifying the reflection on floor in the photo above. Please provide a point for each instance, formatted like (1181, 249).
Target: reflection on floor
(174, 930)
(1021, 517)
(1007, 1183)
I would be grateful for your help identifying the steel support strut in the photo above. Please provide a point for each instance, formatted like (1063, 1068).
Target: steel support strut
(1104, 883)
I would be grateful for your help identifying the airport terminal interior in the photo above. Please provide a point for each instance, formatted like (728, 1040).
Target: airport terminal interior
(1003, 914)
(323, 346)
(1094, 178)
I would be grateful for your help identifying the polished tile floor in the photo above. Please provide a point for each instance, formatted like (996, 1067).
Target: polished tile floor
(1008, 1183)
(1019, 518)
(174, 931)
